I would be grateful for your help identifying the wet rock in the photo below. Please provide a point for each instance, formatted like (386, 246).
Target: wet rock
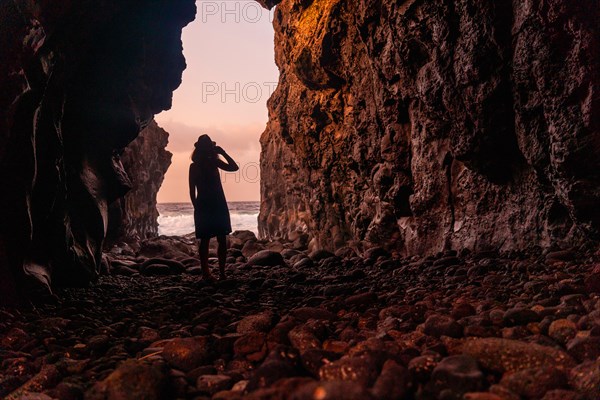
(256, 323)
(270, 372)
(392, 383)
(533, 383)
(321, 254)
(584, 348)
(267, 258)
(165, 248)
(46, 378)
(68, 391)
(375, 252)
(313, 359)
(592, 281)
(251, 247)
(421, 367)
(505, 355)
(14, 339)
(362, 369)
(560, 255)
(251, 346)
(132, 380)
(148, 335)
(462, 310)
(482, 396)
(175, 267)
(212, 384)
(157, 270)
(560, 394)
(442, 325)
(585, 378)
(99, 343)
(305, 263)
(519, 316)
(305, 313)
(243, 236)
(303, 338)
(123, 270)
(361, 299)
(455, 376)
(187, 353)
(562, 330)
(34, 396)
(332, 390)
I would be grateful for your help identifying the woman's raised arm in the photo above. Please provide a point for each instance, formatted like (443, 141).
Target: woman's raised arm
(230, 165)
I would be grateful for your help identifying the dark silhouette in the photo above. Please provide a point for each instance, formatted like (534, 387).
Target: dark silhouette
(211, 215)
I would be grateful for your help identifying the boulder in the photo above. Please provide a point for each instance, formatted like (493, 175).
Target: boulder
(132, 380)
(187, 353)
(267, 258)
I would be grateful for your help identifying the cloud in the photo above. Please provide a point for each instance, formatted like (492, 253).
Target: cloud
(233, 138)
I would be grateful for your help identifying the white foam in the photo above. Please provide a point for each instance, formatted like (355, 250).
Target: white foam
(182, 224)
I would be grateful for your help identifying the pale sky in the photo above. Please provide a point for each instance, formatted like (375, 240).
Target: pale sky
(230, 75)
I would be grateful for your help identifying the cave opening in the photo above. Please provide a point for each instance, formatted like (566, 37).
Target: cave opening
(230, 75)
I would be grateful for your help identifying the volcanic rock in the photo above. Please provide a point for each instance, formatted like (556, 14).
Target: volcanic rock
(267, 258)
(187, 353)
(504, 355)
(445, 136)
(133, 380)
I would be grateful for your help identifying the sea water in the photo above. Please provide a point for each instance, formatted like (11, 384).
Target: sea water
(176, 219)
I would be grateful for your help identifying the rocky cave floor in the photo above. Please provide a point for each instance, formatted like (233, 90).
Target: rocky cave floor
(288, 325)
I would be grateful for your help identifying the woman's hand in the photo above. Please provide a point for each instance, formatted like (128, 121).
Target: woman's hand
(219, 150)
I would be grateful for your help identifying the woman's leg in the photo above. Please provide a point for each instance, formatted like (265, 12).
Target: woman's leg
(203, 247)
(222, 253)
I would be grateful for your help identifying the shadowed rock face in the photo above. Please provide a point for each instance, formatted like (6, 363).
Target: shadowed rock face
(133, 218)
(426, 125)
(80, 80)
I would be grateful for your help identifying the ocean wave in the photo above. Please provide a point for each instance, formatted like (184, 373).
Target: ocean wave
(182, 224)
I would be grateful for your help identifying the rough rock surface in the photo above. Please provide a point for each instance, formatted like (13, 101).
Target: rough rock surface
(424, 125)
(134, 217)
(79, 80)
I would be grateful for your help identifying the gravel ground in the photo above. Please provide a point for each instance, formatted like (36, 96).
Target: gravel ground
(287, 324)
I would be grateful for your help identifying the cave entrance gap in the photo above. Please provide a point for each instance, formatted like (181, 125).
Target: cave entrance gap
(230, 75)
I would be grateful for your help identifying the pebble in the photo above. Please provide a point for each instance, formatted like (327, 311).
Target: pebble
(256, 323)
(562, 330)
(534, 383)
(505, 355)
(132, 380)
(332, 390)
(212, 384)
(442, 325)
(392, 383)
(585, 378)
(454, 376)
(339, 326)
(267, 258)
(361, 369)
(584, 348)
(187, 353)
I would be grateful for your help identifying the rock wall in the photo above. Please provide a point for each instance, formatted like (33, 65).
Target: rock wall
(79, 80)
(133, 218)
(425, 125)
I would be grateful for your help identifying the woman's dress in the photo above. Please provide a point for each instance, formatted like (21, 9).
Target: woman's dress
(211, 214)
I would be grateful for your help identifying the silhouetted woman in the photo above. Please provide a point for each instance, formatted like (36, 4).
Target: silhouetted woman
(211, 215)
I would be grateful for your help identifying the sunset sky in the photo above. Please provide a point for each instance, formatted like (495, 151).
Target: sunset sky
(230, 74)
